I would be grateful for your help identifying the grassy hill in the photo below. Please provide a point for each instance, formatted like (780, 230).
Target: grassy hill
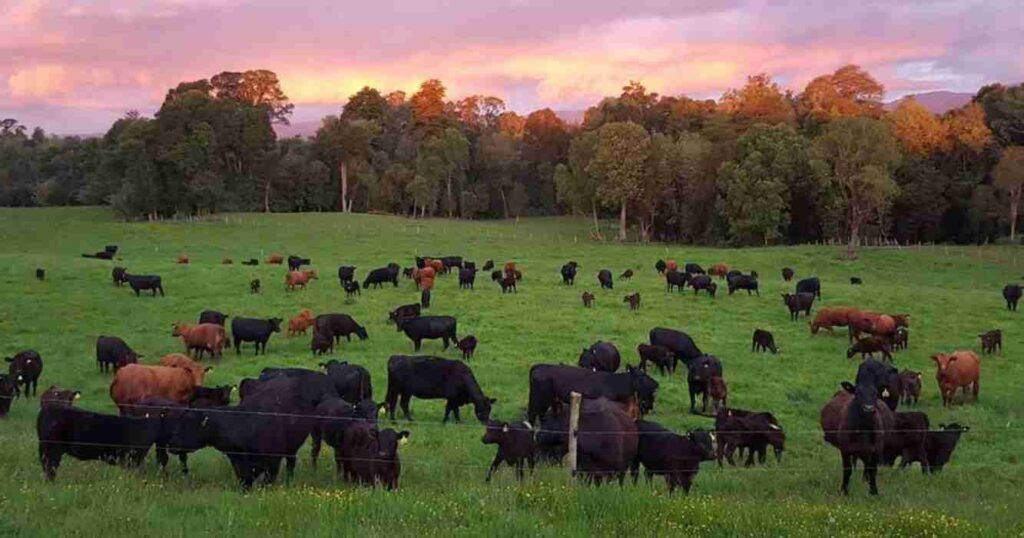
(953, 294)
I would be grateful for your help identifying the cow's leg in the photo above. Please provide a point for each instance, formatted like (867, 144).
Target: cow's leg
(289, 467)
(161, 457)
(847, 471)
(416, 344)
(315, 451)
(405, 406)
(391, 400)
(494, 465)
(49, 458)
(976, 388)
(871, 473)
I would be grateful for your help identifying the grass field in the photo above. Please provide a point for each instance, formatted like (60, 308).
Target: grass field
(953, 294)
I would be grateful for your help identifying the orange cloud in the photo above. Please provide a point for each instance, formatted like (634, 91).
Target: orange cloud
(40, 82)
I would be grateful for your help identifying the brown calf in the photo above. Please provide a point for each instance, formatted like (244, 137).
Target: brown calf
(201, 337)
(298, 279)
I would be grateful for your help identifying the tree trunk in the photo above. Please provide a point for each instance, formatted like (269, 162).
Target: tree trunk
(451, 205)
(622, 222)
(1014, 206)
(593, 211)
(504, 201)
(266, 197)
(343, 202)
(851, 247)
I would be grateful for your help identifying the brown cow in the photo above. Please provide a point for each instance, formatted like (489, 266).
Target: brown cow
(902, 320)
(719, 393)
(588, 299)
(437, 266)
(426, 283)
(136, 382)
(832, 316)
(183, 258)
(298, 279)
(299, 324)
(275, 259)
(671, 265)
(227, 261)
(875, 323)
(719, 270)
(201, 337)
(177, 360)
(959, 369)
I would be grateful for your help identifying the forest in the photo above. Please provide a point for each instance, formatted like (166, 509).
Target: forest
(761, 165)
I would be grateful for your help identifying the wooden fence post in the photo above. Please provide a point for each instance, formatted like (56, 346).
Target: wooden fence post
(574, 426)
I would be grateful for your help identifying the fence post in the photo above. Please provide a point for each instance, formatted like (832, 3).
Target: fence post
(574, 426)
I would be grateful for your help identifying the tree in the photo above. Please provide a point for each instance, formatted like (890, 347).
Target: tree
(257, 88)
(849, 92)
(759, 101)
(968, 134)
(428, 108)
(511, 125)
(920, 131)
(619, 162)
(1009, 177)
(1004, 112)
(345, 144)
(575, 186)
(496, 156)
(855, 155)
(452, 152)
(365, 104)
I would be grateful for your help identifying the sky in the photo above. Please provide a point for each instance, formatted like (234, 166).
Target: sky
(74, 66)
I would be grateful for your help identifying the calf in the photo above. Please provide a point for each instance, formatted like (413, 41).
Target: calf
(298, 279)
(568, 272)
(204, 337)
(719, 393)
(85, 435)
(763, 341)
(24, 369)
(138, 283)
(508, 284)
(739, 429)
(626, 275)
(588, 299)
(673, 456)
(676, 280)
(797, 302)
(8, 392)
(910, 386)
(346, 273)
(370, 456)
(1012, 293)
(787, 274)
(254, 285)
(351, 289)
(213, 316)
(991, 340)
(703, 282)
(112, 352)
(468, 346)
(301, 323)
(660, 266)
(466, 277)
(698, 379)
(40, 275)
(907, 440)
(119, 275)
(257, 331)
(939, 445)
(743, 282)
(809, 285)
(338, 325)
(516, 446)
(960, 369)
(604, 277)
(321, 343)
(633, 300)
(869, 346)
(661, 356)
(901, 339)
(855, 281)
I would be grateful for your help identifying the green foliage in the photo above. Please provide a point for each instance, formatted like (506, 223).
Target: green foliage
(1004, 112)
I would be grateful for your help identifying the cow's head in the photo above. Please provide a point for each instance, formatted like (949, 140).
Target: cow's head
(275, 324)
(865, 396)
(494, 432)
(482, 408)
(57, 397)
(645, 388)
(361, 332)
(388, 441)
(705, 443)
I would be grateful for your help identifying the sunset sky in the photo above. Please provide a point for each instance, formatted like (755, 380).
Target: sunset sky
(73, 66)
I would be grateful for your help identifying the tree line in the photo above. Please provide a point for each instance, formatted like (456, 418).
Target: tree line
(758, 166)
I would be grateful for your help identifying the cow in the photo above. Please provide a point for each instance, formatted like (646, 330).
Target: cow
(488, 265)
(183, 259)
(1012, 293)
(797, 302)
(626, 275)
(743, 282)
(660, 266)
(569, 274)
(703, 282)
(402, 312)
(960, 369)
(604, 277)
(719, 270)
(907, 440)
(550, 384)
(607, 441)
(516, 446)
(334, 416)
(660, 356)
(296, 262)
(869, 346)
(40, 274)
(213, 316)
(338, 325)
(901, 338)
(857, 422)
(693, 269)
(682, 346)
(588, 299)
(940, 444)
(676, 457)
(352, 381)
(855, 281)
(600, 357)
(832, 316)
(469, 265)
(508, 284)
(300, 323)
(257, 331)
(434, 378)
(467, 346)
(698, 378)
(251, 262)
(466, 277)
(346, 273)
(227, 261)
(719, 391)
(497, 276)
(430, 328)
(379, 276)
(809, 285)
(754, 431)
(677, 280)
(633, 300)
(451, 262)
(254, 286)
(138, 283)
(24, 369)
(205, 397)
(876, 323)
(763, 340)
(100, 256)
(58, 397)
(136, 382)
(112, 352)
(370, 456)
(910, 386)
(275, 259)
(351, 289)
(119, 276)
(8, 392)
(991, 340)
(321, 343)
(787, 274)
(298, 279)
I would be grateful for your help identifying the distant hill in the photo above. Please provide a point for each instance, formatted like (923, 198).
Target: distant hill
(938, 102)
(305, 129)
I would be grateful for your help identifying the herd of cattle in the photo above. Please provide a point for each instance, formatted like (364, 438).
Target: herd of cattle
(166, 405)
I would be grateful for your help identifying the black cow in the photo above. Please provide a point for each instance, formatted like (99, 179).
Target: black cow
(119, 275)
(370, 456)
(516, 446)
(321, 343)
(600, 357)
(703, 282)
(467, 346)
(553, 436)
(607, 441)
(797, 302)
(508, 284)
(907, 440)
(604, 277)
(661, 356)
(429, 328)
(25, 369)
(138, 283)
(467, 277)
(550, 384)
(434, 378)
(8, 392)
(254, 285)
(698, 378)
(743, 282)
(809, 285)
(205, 397)
(85, 435)
(338, 325)
(351, 289)
(346, 273)
(569, 273)
(763, 341)
(257, 331)
(213, 316)
(660, 266)
(488, 265)
(677, 280)
(469, 265)
(350, 380)
(497, 276)
(402, 312)
(379, 276)
(112, 352)
(671, 455)
(1012, 293)
(693, 269)
(940, 445)
(739, 429)
(682, 346)
(334, 416)
(448, 262)
(855, 281)
(296, 262)
(251, 261)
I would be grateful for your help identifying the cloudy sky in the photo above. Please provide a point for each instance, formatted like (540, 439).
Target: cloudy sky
(73, 66)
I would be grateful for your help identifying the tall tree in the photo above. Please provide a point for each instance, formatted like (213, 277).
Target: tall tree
(918, 130)
(452, 152)
(496, 155)
(346, 145)
(619, 162)
(365, 104)
(759, 101)
(575, 186)
(428, 108)
(1009, 177)
(1004, 112)
(257, 88)
(848, 92)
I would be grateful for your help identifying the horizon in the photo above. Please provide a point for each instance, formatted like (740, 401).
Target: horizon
(72, 67)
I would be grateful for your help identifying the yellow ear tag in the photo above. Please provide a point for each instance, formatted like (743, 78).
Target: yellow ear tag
(403, 440)
(504, 429)
(885, 393)
(77, 396)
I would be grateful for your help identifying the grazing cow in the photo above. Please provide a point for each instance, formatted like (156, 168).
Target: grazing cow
(58, 397)
(910, 386)
(434, 378)
(743, 282)
(254, 285)
(676, 280)
(857, 422)
(693, 269)
(296, 262)
(40, 275)
(370, 456)
(183, 259)
(661, 356)
(626, 275)
(87, 436)
(136, 382)
(832, 316)
(698, 379)
(203, 337)
(799, 301)
(251, 261)
(334, 416)
(298, 279)
(633, 300)
(321, 343)
(8, 392)
(682, 346)
(1012, 293)
(901, 338)
(275, 259)
(351, 289)
(112, 352)
(719, 393)
(763, 341)
(569, 273)
(24, 369)
(100, 255)
(940, 444)
(660, 266)
(907, 440)
(338, 325)
(139, 283)
(403, 312)
(450, 262)
(855, 281)
(466, 277)
(468, 347)
(960, 369)
(719, 270)
(604, 277)
(551, 384)
(352, 381)
(488, 265)
(425, 298)
(878, 324)
(301, 323)
(119, 275)
(703, 282)
(508, 284)
(740, 429)
(516, 446)
(429, 328)
(600, 357)
(379, 276)
(869, 346)
(991, 340)
(809, 285)
(257, 331)
(213, 316)
(588, 299)
(346, 273)
(607, 441)
(671, 455)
